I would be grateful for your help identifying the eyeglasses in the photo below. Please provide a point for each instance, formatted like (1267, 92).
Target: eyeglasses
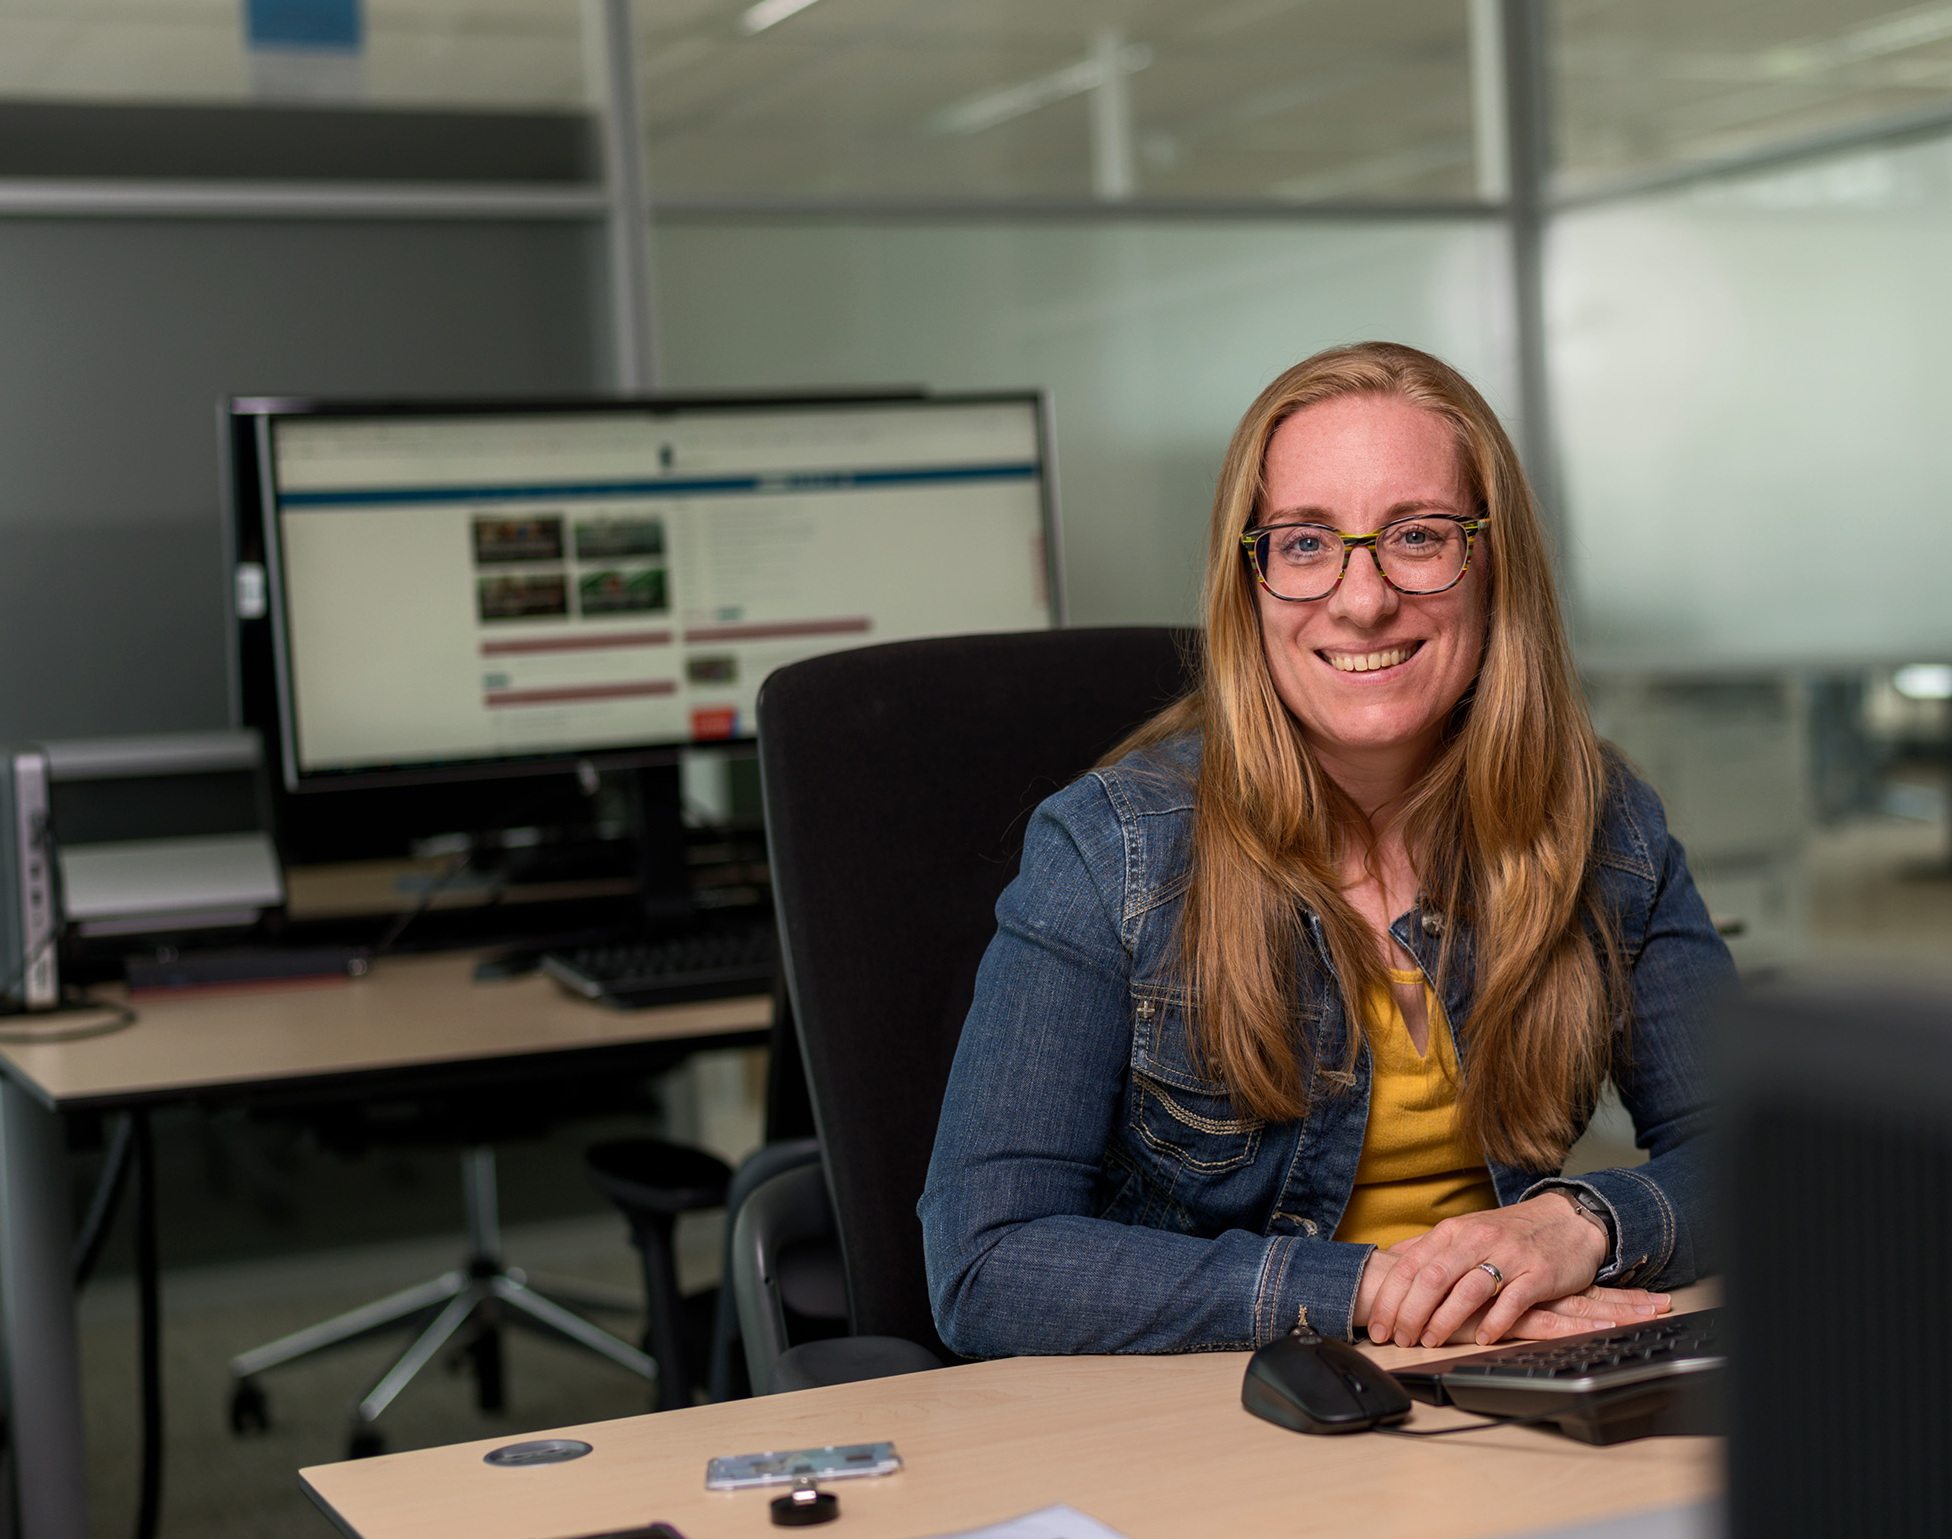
(1421, 555)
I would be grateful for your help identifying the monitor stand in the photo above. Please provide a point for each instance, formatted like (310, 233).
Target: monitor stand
(654, 807)
(663, 868)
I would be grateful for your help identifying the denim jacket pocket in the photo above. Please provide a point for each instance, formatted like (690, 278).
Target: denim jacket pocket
(1177, 1112)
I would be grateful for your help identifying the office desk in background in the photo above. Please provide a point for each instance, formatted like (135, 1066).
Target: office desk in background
(1156, 1447)
(412, 1024)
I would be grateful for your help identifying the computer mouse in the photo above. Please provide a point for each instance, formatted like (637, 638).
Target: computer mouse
(1309, 1383)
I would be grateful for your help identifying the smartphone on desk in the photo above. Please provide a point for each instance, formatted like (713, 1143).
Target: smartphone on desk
(741, 1472)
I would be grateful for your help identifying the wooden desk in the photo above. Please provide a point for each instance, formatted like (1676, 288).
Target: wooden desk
(1153, 1446)
(413, 1021)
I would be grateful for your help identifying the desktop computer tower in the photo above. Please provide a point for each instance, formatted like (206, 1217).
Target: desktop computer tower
(1836, 1208)
(29, 903)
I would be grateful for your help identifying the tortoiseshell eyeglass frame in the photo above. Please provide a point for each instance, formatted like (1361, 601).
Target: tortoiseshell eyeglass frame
(1252, 540)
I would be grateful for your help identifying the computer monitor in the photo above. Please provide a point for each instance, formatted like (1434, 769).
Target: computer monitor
(451, 591)
(507, 621)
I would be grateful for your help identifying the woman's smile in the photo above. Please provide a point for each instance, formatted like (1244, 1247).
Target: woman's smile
(1374, 660)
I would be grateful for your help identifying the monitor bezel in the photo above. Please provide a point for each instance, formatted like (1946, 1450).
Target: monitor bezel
(248, 423)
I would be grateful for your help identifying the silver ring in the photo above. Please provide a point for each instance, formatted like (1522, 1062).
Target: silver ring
(1497, 1277)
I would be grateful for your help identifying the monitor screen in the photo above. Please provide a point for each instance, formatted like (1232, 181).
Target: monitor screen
(467, 589)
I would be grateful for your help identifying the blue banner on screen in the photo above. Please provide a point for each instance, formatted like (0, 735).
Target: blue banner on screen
(333, 25)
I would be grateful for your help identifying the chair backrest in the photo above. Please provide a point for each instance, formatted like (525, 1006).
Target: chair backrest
(898, 780)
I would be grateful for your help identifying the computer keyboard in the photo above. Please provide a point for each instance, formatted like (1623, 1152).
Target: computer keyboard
(1606, 1386)
(715, 962)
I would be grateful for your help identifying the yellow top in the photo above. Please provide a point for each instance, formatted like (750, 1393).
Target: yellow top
(1415, 1169)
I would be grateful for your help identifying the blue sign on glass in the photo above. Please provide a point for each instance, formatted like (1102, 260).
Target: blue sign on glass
(324, 24)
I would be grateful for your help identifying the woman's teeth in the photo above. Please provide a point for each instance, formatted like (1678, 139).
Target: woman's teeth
(1368, 662)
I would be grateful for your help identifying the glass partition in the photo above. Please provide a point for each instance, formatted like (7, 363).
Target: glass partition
(1151, 337)
(1262, 99)
(1751, 395)
(1752, 402)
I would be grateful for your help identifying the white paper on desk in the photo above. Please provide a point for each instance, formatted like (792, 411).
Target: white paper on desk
(1059, 1522)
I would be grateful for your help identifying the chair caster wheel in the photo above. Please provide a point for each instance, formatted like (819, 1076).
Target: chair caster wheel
(365, 1443)
(249, 1410)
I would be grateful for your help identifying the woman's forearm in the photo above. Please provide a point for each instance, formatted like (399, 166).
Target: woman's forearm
(1067, 1283)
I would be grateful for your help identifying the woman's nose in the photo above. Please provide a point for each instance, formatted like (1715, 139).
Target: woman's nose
(1363, 598)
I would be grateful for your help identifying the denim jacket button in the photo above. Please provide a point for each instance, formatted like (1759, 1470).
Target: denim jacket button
(1433, 924)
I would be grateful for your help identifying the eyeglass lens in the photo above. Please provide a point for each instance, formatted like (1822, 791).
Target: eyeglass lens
(1303, 561)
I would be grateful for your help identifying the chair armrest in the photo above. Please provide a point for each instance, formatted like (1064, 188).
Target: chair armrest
(786, 1210)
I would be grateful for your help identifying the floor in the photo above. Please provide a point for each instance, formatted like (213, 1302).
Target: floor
(1881, 899)
(264, 1234)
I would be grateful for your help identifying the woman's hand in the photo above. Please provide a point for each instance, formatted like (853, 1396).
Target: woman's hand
(1433, 1287)
(1595, 1309)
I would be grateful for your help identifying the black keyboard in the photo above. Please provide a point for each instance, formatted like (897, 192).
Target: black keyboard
(719, 962)
(1662, 1376)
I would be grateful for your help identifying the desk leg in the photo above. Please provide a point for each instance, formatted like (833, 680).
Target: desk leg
(37, 1321)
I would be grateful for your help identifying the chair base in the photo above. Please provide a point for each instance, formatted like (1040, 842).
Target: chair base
(484, 1295)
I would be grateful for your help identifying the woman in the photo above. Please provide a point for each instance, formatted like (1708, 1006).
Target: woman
(1300, 999)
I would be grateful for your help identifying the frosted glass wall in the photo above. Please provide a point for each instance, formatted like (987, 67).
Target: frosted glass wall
(1152, 339)
(1755, 414)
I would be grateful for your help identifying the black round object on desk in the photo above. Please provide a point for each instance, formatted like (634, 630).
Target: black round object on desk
(804, 1506)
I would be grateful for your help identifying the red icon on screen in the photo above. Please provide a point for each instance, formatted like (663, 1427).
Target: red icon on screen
(714, 722)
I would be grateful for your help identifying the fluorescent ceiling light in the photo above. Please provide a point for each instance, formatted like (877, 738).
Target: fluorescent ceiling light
(1895, 34)
(1924, 681)
(976, 113)
(770, 13)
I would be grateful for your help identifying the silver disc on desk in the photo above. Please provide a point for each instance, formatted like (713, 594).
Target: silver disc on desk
(541, 1450)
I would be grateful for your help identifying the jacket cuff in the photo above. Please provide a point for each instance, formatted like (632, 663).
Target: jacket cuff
(1643, 1223)
(1309, 1283)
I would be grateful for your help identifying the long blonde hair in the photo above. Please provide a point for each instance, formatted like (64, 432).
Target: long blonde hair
(1500, 827)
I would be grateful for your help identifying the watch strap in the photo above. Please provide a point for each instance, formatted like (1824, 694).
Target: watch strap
(1590, 1205)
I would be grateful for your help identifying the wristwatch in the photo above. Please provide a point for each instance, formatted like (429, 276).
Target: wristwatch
(1590, 1206)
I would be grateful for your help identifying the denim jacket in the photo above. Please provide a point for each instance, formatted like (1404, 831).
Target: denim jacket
(1094, 1190)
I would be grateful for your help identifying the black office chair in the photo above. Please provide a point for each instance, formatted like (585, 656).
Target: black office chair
(652, 1182)
(898, 780)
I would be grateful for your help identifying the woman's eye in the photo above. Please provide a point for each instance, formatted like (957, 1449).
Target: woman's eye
(1417, 538)
(1303, 545)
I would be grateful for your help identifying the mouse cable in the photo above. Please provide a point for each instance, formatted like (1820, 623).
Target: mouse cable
(457, 863)
(1476, 1426)
(118, 1017)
